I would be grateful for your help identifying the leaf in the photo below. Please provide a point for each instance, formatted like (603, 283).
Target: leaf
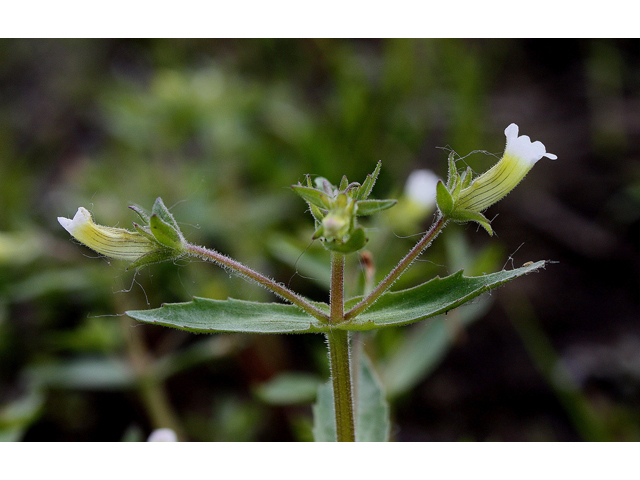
(429, 299)
(86, 374)
(371, 409)
(324, 415)
(18, 414)
(437, 296)
(289, 388)
(203, 315)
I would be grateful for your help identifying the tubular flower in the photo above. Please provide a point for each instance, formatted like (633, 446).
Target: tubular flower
(520, 155)
(148, 244)
(463, 199)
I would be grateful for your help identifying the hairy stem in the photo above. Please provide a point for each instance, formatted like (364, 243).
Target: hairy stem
(275, 287)
(339, 355)
(337, 288)
(338, 341)
(384, 285)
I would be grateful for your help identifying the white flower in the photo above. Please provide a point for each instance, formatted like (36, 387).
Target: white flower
(112, 242)
(163, 435)
(522, 148)
(520, 155)
(421, 188)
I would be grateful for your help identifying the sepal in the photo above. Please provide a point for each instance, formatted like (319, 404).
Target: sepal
(444, 200)
(165, 233)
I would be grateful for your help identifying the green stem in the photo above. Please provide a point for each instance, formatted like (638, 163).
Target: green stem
(339, 355)
(338, 341)
(337, 288)
(275, 287)
(384, 285)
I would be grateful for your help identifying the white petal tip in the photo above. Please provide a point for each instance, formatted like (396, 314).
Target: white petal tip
(511, 130)
(65, 222)
(81, 217)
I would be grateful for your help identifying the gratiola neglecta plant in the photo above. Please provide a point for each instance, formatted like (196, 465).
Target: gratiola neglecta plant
(338, 414)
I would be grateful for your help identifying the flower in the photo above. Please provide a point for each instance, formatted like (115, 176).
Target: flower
(520, 155)
(160, 240)
(420, 188)
(111, 242)
(163, 435)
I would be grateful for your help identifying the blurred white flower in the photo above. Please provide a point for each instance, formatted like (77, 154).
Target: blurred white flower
(421, 188)
(163, 435)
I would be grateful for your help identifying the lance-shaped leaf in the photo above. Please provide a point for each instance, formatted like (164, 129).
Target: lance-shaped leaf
(203, 315)
(369, 207)
(429, 299)
(395, 308)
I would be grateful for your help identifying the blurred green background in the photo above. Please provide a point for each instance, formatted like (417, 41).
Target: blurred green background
(219, 129)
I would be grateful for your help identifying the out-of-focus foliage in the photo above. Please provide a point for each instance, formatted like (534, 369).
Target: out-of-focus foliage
(220, 129)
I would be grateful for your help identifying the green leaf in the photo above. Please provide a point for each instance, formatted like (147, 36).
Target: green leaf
(86, 374)
(369, 207)
(289, 388)
(371, 409)
(437, 296)
(324, 415)
(430, 299)
(203, 315)
(19, 413)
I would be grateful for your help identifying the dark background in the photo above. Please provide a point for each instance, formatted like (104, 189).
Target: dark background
(220, 129)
